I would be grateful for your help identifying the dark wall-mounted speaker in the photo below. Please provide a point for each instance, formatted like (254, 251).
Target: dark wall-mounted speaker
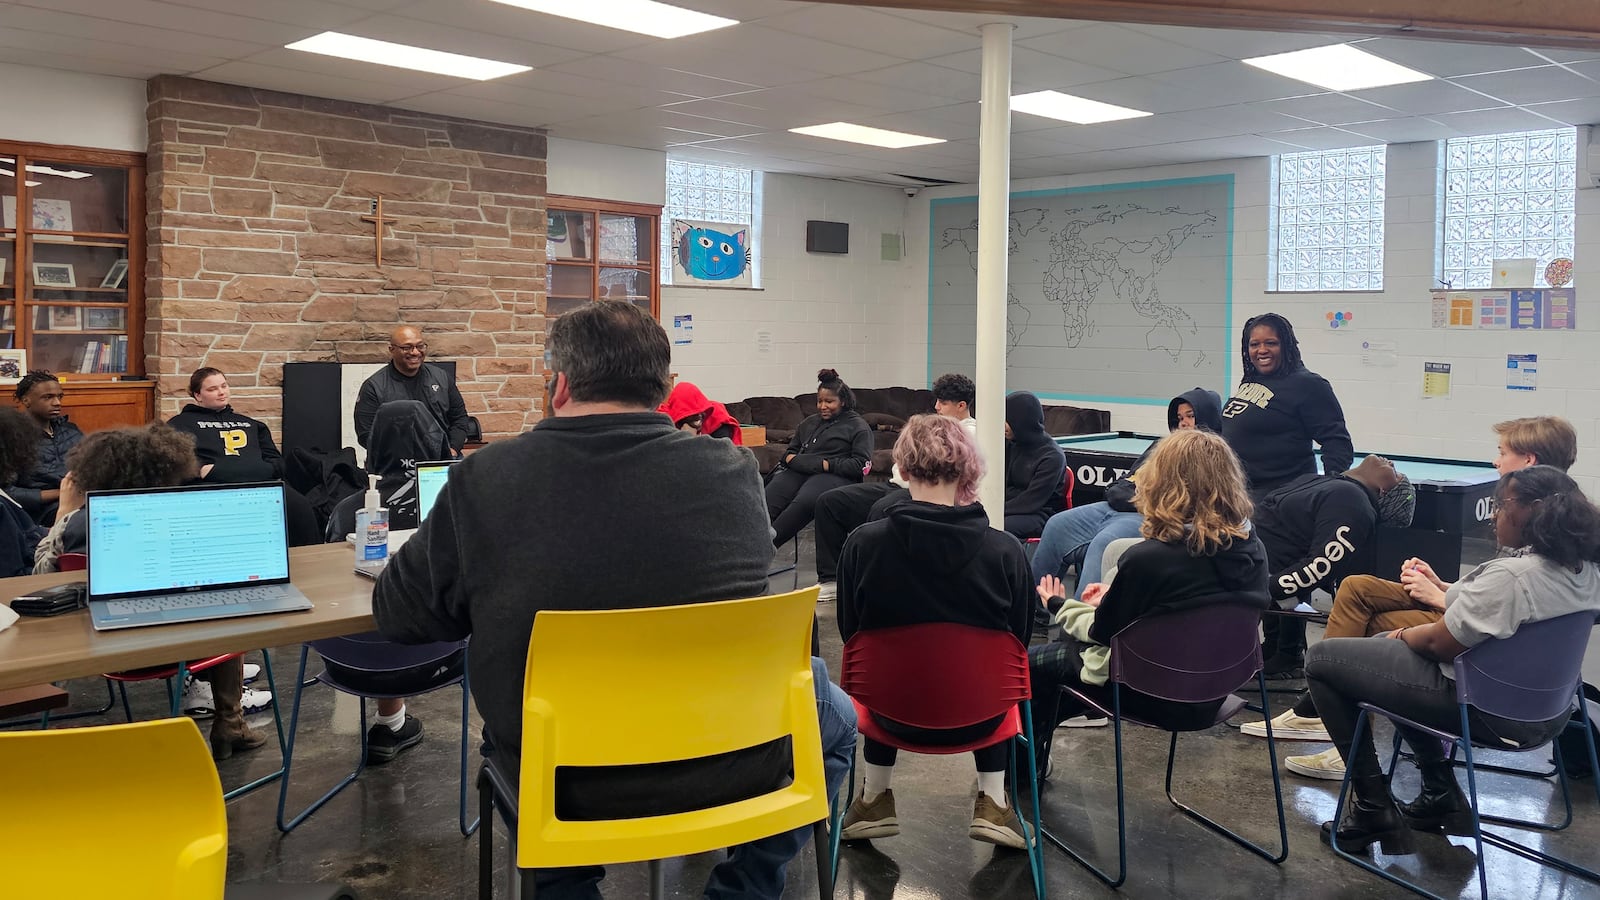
(827, 237)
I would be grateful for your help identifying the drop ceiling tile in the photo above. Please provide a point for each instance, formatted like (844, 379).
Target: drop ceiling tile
(1238, 147)
(1563, 55)
(1444, 59)
(1145, 92)
(69, 62)
(1537, 85)
(875, 30)
(1570, 112)
(927, 78)
(295, 82)
(406, 82)
(554, 105)
(1120, 49)
(1319, 138)
(1426, 98)
(1404, 131)
(314, 14)
(1492, 121)
(475, 108)
(26, 18)
(1106, 161)
(1232, 82)
(189, 20)
(510, 21)
(1031, 70)
(1328, 109)
(747, 51)
(1141, 133)
(145, 58)
(1024, 26)
(1240, 118)
(638, 94)
(881, 98)
(1053, 142)
(1231, 44)
(627, 71)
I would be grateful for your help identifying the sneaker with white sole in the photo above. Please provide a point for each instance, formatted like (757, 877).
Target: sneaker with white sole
(1087, 720)
(827, 591)
(251, 671)
(865, 821)
(1327, 765)
(995, 824)
(254, 701)
(1286, 726)
(198, 702)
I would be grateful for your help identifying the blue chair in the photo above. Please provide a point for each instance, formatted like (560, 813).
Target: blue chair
(1191, 656)
(366, 665)
(1531, 676)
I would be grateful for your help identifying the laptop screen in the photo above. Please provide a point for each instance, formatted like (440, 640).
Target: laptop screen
(431, 477)
(171, 540)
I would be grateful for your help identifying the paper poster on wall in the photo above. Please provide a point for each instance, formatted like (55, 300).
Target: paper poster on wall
(1452, 310)
(1494, 310)
(763, 342)
(1435, 381)
(1380, 353)
(1560, 308)
(1522, 371)
(710, 253)
(1527, 309)
(683, 329)
(1340, 320)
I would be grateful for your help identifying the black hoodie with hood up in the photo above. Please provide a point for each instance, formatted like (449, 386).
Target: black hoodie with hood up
(926, 562)
(1207, 417)
(1036, 469)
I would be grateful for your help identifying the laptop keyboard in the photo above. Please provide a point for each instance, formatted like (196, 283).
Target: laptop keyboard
(201, 600)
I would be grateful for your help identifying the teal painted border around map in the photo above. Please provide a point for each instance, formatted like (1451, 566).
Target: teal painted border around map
(1227, 366)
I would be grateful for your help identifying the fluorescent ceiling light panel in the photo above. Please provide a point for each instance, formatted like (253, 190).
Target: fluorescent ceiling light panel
(402, 56)
(1067, 108)
(861, 134)
(1338, 67)
(639, 16)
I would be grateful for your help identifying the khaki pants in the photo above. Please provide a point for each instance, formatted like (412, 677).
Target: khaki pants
(1367, 605)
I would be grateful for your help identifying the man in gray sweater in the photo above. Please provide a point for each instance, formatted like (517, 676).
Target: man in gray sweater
(603, 506)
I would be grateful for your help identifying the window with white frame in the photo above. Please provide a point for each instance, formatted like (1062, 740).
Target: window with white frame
(1507, 196)
(710, 193)
(1327, 221)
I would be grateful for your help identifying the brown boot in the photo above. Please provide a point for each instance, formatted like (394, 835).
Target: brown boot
(228, 730)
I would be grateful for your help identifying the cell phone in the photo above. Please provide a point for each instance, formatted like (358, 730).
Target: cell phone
(51, 601)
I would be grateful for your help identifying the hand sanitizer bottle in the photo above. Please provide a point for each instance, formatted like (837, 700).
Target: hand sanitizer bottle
(372, 527)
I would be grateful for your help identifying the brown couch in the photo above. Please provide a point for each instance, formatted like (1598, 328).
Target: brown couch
(885, 410)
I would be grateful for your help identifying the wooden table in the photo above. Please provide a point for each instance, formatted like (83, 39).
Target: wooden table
(36, 651)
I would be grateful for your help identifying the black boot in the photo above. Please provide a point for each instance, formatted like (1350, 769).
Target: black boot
(1371, 817)
(1441, 806)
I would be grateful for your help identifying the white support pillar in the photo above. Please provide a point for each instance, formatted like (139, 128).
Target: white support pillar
(994, 234)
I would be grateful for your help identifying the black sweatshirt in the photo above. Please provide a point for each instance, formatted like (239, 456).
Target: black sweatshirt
(48, 468)
(432, 386)
(238, 447)
(1207, 417)
(844, 441)
(930, 563)
(1036, 469)
(1273, 419)
(1154, 577)
(615, 511)
(1317, 529)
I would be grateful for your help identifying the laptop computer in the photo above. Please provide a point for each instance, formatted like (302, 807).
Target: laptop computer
(431, 477)
(188, 554)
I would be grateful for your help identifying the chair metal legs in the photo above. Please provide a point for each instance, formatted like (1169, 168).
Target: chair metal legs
(277, 721)
(1111, 881)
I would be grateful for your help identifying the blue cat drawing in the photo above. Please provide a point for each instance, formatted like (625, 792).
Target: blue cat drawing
(711, 255)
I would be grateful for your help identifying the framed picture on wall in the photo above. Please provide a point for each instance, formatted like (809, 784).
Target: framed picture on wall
(48, 215)
(59, 318)
(103, 318)
(115, 275)
(12, 364)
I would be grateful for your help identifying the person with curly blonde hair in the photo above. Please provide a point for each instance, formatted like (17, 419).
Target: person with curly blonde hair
(1198, 550)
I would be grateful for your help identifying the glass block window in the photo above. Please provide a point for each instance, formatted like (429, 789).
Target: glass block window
(710, 193)
(1508, 196)
(1327, 221)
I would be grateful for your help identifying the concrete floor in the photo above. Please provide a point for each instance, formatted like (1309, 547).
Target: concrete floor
(393, 834)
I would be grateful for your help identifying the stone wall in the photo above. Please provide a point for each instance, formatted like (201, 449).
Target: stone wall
(258, 255)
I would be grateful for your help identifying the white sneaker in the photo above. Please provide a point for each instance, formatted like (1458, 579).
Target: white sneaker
(1086, 721)
(1286, 726)
(254, 701)
(197, 699)
(1327, 765)
(827, 591)
(251, 670)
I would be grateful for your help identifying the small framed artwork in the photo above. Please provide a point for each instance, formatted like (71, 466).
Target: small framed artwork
(61, 318)
(54, 275)
(2, 270)
(117, 274)
(103, 318)
(13, 363)
(8, 318)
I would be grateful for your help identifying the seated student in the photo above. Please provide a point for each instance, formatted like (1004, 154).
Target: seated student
(38, 487)
(1198, 550)
(150, 457)
(829, 449)
(1087, 530)
(1036, 469)
(19, 534)
(934, 558)
(844, 509)
(1367, 605)
(690, 410)
(1539, 510)
(234, 448)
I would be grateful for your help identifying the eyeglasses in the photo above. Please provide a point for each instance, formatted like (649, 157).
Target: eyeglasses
(1496, 505)
(418, 347)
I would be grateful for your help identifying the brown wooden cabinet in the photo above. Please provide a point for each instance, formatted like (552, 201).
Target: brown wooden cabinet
(602, 249)
(72, 246)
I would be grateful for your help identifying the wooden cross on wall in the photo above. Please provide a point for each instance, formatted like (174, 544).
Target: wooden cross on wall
(378, 221)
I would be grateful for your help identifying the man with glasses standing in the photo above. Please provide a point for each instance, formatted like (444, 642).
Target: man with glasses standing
(408, 376)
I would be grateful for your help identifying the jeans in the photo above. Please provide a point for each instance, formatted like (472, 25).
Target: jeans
(843, 510)
(1342, 672)
(1095, 525)
(755, 870)
(792, 498)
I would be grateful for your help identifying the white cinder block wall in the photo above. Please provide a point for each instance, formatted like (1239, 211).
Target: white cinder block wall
(1384, 406)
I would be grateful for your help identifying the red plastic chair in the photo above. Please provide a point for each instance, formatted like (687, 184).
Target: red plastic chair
(72, 562)
(940, 675)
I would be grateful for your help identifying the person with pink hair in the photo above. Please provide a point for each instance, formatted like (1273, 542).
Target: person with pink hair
(934, 558)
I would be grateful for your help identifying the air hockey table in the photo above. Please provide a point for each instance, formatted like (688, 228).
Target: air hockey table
(1451, 525)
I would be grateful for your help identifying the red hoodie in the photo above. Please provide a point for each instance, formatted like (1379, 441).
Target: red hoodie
(687, 401)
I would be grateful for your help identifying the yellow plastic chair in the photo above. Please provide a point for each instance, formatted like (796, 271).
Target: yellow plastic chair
(146, 793)
(691, 681)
